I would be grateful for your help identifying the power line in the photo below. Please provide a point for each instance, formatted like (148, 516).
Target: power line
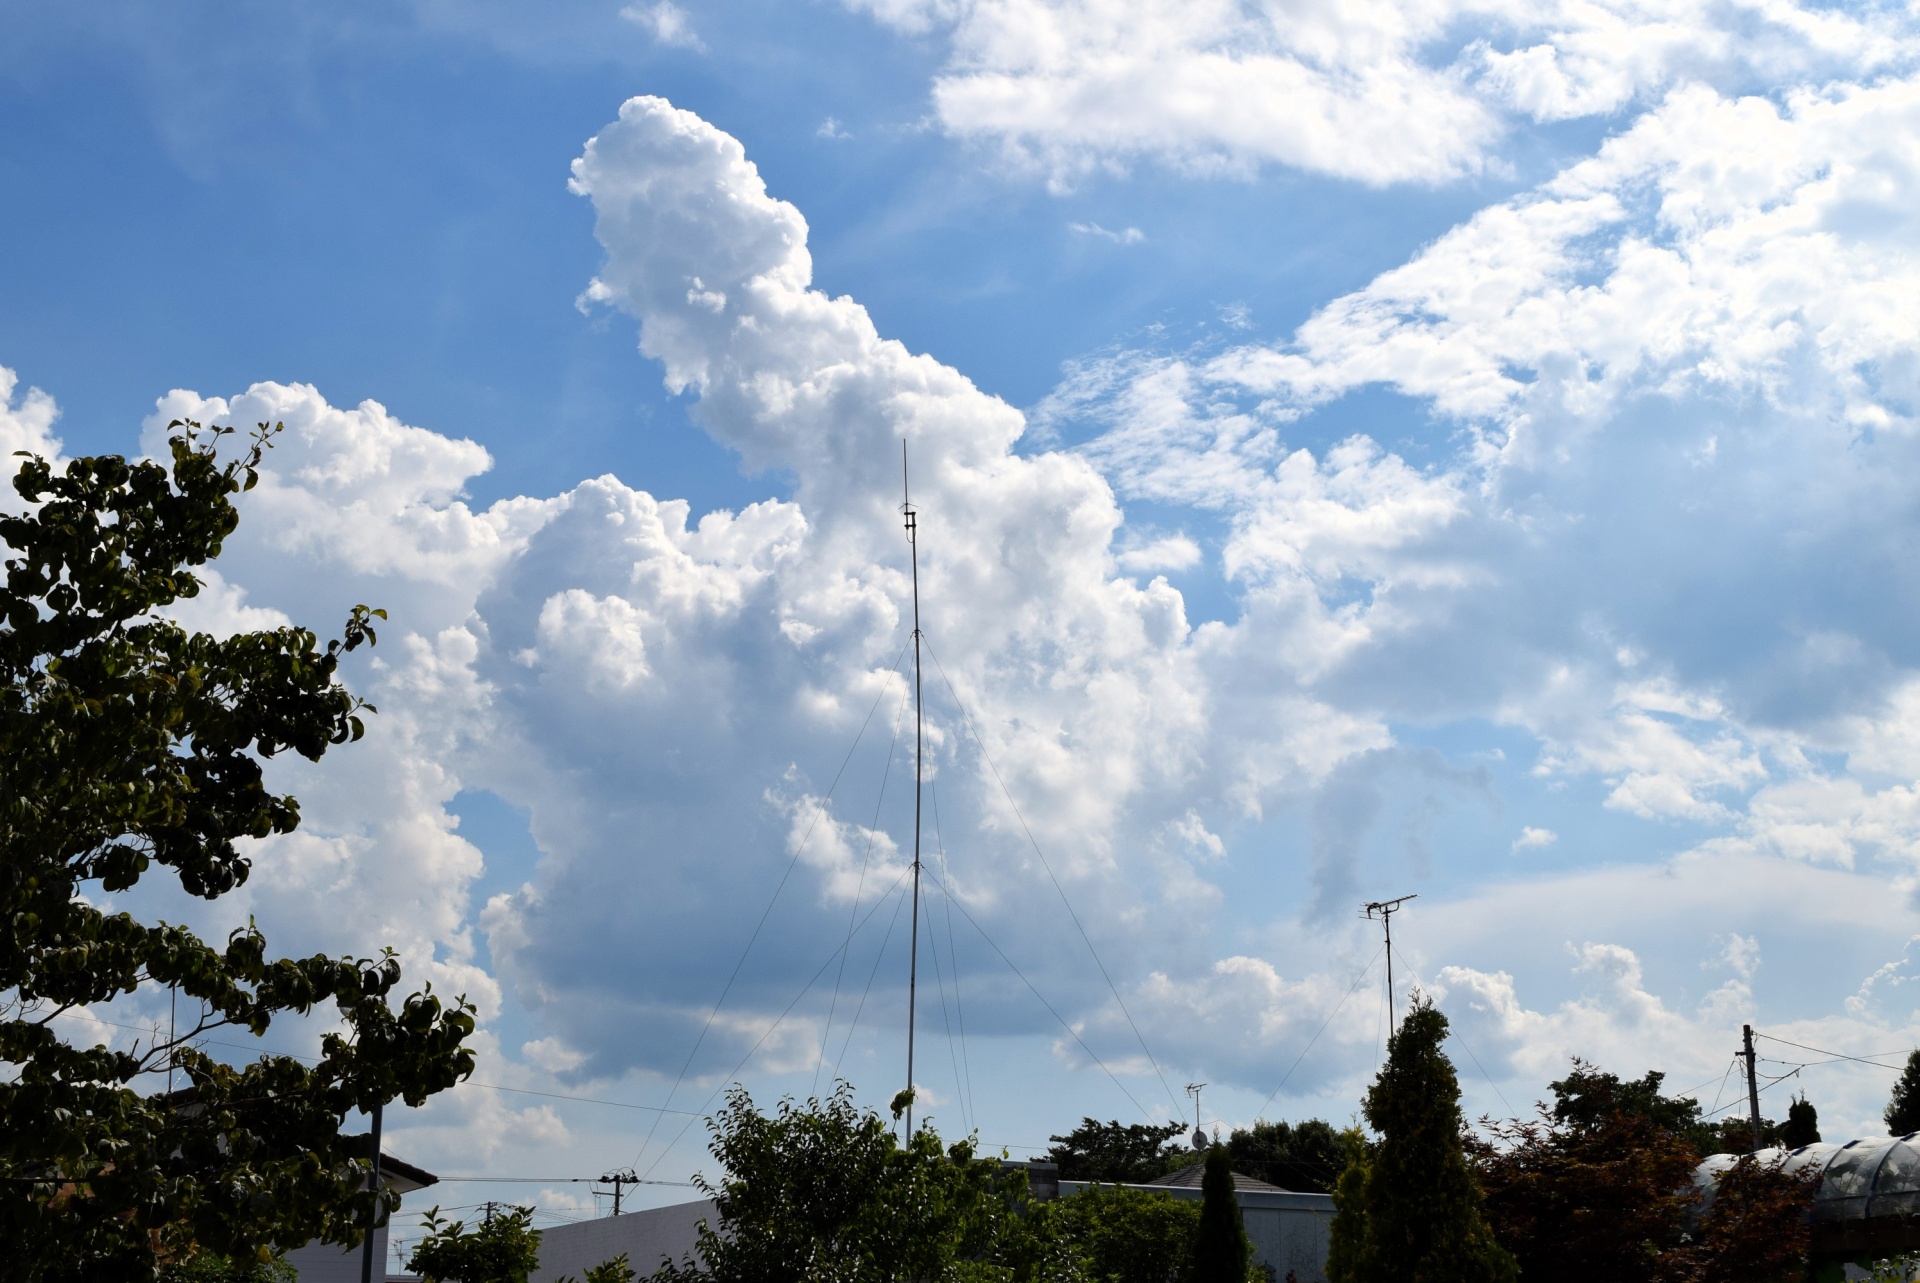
(1058, 889)
(1837, 1055)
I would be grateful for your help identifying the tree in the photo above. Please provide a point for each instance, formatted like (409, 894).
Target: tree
(1423, 1209)
(1221, 1252)
(825, 1191)
(126, 743)
(1122, 1235)
(1903, 1111)
(1587, 1197)
(1803, 1124)
(1347, 1237)
(1592, 1195)
(503, 1248)
(1307, 1156)
(1756, 1230)
(1123, 1155)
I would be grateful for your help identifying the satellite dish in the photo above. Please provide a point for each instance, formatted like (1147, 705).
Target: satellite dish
(1199, 1139)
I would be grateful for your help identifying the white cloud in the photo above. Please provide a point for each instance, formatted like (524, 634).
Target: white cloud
(1126, 236)
(1532, 839)
(666, 22)
(1377, 93)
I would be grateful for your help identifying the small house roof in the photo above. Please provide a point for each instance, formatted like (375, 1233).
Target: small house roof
(1190, 1177)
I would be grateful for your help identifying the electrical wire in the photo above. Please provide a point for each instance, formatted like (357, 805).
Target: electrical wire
(1071, 1031)
(981, 744)
(774, 899)
(768, 1032)
(1837, 1055)
(859, 889)
(1351, 990)
(953, 955)
(878, 958)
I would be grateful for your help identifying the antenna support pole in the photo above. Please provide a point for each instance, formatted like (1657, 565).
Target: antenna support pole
(919, 770)
(1384, 911)
(1753, 1082)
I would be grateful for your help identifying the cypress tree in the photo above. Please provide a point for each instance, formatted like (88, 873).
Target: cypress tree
(1220, 1249)
(1803, 1124)
(1903, 1111)
(1347, 1237)
(1423, 1215)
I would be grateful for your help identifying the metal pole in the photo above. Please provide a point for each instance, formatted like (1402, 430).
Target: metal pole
(1387, 919)
(1753, 1083)
(373, 1218)
(919, 760)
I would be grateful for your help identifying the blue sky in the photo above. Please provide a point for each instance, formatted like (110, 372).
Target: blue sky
(1461, 449)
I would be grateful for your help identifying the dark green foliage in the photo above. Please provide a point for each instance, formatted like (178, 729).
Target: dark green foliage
(1903, 1111)
(1307, 1156)
(502, 1248)
(205, 1267)
(1123, 1235)
(1803, 1124)
(1588, 1098)
(1347, 1239)
(618, 1270)
(1423, 1208)
(128, 743)
(1127, 1155)
(825, 1191)
(1221, 1252)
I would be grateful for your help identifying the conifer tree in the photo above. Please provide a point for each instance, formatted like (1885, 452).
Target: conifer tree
(1348, 1235)
(1903, 1111)
(1803, 1124)
(1220, 1248)
(1423, 1208)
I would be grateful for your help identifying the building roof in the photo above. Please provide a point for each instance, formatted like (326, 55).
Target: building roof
(1190, 1177)
(397, 1172)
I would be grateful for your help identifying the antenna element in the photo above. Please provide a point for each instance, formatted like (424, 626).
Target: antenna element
(1384, 910)
(919, 770)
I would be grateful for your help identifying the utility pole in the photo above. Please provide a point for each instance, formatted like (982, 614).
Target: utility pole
(1199, 1132)
(373, 1216)
(617, 1179)
(1753, 1082)
(919, 765)
(1385, 909)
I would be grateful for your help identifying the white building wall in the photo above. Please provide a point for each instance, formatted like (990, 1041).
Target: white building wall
(649, 1238)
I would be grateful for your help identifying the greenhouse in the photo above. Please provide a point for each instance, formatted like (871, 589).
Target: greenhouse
(1869, 1194)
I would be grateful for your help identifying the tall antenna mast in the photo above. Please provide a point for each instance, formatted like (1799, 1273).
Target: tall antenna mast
(919, 759)
(1384, 910)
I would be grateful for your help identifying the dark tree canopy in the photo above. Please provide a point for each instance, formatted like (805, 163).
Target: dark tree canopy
(129, 745)
(1589, 1196)
(1307, 1156)
(1129, 1154)
(1903, 1110)
(1802, 1126)
(1423, 1221)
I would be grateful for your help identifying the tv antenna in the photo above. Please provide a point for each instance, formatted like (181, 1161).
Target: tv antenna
(1383, 910)
(1199, 1132)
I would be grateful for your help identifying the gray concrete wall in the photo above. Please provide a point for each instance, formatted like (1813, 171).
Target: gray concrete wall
(1288, 1231)
(648, 1238)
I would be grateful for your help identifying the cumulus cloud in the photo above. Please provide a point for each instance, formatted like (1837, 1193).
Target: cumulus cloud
(1669, 392)
(1377, 93)
(666, 22)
